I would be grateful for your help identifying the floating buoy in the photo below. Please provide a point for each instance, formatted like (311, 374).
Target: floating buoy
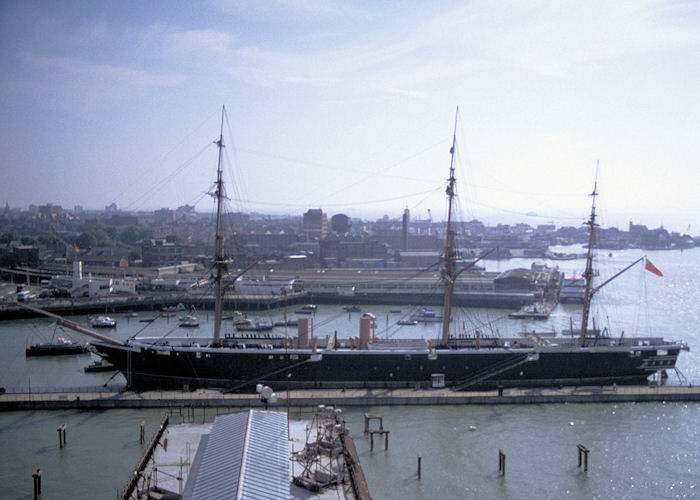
(472, 427)
(571, 424)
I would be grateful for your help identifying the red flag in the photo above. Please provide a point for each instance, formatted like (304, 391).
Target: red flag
(652, 268)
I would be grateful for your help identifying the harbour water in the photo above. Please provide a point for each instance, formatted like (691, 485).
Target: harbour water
(644, 450)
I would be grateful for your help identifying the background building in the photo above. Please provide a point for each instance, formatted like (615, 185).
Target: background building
(314, 224)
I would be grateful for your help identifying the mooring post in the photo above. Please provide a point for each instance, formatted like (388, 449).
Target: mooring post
(419, 464)
(179, 478)
(583, 453)
(142, 433)
(61, 435)
(501, 463)
(371, 441)
(36, 477)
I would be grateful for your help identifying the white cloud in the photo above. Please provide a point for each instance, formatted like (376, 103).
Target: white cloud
(553, 38)
(200, 42)
(287, 11)
(547, 38)
(73, 67)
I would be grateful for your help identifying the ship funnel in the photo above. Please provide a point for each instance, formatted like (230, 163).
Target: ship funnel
(303, 331)
(365, 327)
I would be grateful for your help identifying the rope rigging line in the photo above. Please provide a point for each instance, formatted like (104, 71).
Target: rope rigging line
(165, 156)
(150, 192)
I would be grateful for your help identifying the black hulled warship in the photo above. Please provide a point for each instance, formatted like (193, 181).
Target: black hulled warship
(239, 361)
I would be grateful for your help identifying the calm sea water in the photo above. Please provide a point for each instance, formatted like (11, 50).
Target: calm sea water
(645, 450)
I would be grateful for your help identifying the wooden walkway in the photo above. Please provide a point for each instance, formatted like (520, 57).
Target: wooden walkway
(350, 397)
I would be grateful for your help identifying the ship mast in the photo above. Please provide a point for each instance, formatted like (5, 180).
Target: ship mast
(219, 259)
(450, 253)
(588, 274)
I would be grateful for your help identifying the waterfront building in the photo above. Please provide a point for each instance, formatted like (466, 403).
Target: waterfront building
(314, 224)
(160, 252)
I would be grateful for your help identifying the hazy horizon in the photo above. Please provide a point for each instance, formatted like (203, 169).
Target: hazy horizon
(350, 106)
(620, 221)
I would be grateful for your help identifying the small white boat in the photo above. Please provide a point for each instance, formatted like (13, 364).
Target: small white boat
(104, 322)
(307, 309)
(189, 321)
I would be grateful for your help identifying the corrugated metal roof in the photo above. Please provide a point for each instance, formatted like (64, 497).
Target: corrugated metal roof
(246, 456)
(267, 458)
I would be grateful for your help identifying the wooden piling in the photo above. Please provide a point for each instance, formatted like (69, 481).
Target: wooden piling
(382, 432)
(419, 465)
(501, 463)
(142, 432)
(36, 478)
(368, 420)
(61, 429)
(583, 454)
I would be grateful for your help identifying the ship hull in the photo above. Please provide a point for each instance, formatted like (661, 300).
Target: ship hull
(165, 367)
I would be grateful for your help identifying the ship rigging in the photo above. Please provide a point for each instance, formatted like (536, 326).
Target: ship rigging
(240, 362)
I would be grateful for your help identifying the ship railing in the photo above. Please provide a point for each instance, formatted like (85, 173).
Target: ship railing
(412, 344)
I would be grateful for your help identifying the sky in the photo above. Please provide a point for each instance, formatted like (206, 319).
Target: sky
(350, 107)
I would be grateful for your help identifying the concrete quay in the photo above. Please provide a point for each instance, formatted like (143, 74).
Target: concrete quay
(150, 302)
(349, 397)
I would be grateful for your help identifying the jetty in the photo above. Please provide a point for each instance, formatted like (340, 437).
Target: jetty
(209, 398)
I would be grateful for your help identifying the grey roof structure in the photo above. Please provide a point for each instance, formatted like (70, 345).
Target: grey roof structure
(245, 456)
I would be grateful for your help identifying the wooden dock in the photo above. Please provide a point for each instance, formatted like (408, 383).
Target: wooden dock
(350, 397)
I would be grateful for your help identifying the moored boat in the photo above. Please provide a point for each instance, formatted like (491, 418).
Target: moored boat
(307, 309)
(98, 365)
(538, 310)
(289, 322)
(104, 322)
(424, 315)
(255, 327)
(407, 322)
(189, 321)
(59, 347)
